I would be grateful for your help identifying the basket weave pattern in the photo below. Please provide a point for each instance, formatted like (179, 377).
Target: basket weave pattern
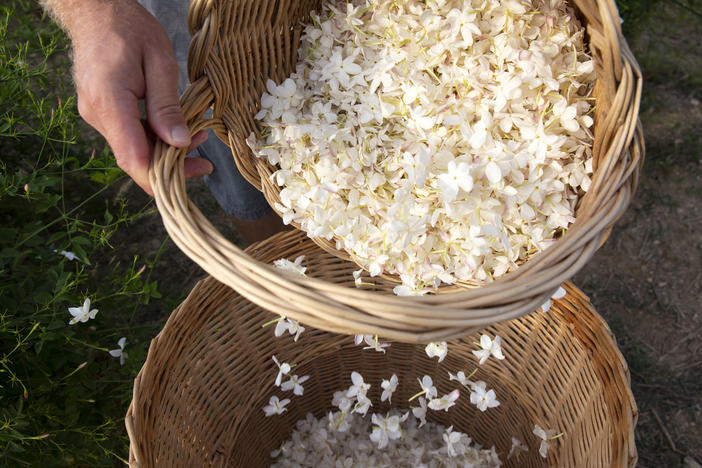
(198, 399)
(238, 44)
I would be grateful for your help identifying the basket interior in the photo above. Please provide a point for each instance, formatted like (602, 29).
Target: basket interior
(198, 400)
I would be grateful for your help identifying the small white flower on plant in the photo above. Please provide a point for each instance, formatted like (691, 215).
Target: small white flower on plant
(69, 255)
(289, 325)
(445, 402)
(294, 267)
(389, 386)
(294, 384)
(420, 412)
(490, 346)
(462, 378)
(283, 369)
(456, 442)
(545, 436)
(481, 398)
(82, 314)
(119, 352)
(437, 349)
(517, 448)
(275, 406)
(560, 292)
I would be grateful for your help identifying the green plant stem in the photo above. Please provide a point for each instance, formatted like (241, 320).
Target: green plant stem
(62, 217)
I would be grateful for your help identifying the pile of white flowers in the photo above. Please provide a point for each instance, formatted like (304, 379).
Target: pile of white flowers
(437, 140)
(430, 445)
(345, 438)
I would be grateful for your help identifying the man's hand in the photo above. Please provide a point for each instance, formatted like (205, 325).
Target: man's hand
(121, 55)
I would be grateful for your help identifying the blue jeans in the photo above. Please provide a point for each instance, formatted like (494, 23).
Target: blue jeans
(233, 193)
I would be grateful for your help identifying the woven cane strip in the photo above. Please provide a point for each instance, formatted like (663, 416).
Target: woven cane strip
(197, 400)
(256, 40)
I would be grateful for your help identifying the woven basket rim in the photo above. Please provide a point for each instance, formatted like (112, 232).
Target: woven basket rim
(509, 296)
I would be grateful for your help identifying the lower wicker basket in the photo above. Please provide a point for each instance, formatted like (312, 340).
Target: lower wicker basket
(198, 399)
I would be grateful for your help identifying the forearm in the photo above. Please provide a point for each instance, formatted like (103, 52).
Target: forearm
(68, 13)
(122, 55)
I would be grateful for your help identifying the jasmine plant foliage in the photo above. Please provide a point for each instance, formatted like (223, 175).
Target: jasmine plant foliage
(69, 299)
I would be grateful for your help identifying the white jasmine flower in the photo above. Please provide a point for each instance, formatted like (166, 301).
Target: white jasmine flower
(294, 267)
(359, 387)
(420, 412)
(517, 448)
(278, 99)
(404, 290)
(119, 352)
(375, 345)
(379, 434)
(560, 292)
(339, 421)
(493, 172)
(289, 325)
(283, 369)
(445, 402)
(489, 346)
(362, 405)
(456, 442)
(358, 280)
(457, 177)
(437, 349)
(339, 69)
(566, 115)
(389, 386)
(386, 429)
(295, 384)
(545, 436)
(275, 406)
(342, 402)
(372, 342)
(481, 398)
(358, 339)
(428, 388)
(83, 313)
(462, 378)
(68, 254)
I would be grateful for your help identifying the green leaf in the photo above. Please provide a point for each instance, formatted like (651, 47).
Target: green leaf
(78, 250)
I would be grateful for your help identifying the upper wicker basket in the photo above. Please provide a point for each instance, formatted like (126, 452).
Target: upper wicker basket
(238, 44)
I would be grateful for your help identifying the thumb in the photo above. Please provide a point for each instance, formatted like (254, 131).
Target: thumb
(163, 111)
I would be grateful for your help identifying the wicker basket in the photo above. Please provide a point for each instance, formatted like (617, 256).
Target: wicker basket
(198, 399)
(236, 47)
